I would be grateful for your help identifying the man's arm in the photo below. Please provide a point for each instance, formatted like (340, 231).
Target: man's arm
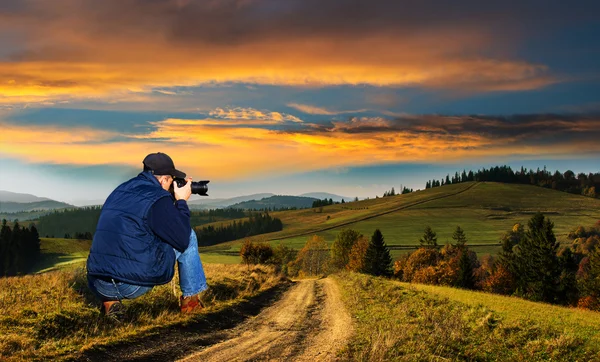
(171, 222)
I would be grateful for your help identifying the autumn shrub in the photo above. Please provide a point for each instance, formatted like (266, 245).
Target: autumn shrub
(501, 281)
(312, 259)
(421, 258)
(357, 256)
(255, 252)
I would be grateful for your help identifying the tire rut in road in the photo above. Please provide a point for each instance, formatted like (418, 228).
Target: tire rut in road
(308, 323)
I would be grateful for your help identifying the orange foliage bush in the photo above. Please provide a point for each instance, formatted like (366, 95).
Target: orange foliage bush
(589, 302)
(356, 258)
(500, 281)
(420, 259)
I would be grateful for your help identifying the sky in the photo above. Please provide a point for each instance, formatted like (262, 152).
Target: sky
(342, 96)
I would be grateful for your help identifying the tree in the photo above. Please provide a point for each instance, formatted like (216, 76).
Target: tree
(313, 257)
(590, 281)
(255, 253)
(459, 237)
(465, 278)
(429, 238)
(341, 247)
(567, 286)
(357, 256)
(5, 237)
(536, 261)
(378, 260)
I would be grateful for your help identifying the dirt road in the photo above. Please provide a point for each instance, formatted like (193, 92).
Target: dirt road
(309, 323)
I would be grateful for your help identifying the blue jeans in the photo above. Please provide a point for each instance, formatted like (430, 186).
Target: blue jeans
(191, 278)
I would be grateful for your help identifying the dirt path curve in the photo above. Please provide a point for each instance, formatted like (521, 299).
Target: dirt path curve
(309, 323)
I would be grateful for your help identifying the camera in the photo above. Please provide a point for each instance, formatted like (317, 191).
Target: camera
(198, 187)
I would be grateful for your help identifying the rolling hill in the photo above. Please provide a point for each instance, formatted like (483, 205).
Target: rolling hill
(207, 203)
(485, 210)
(276, 202)
(326, 195)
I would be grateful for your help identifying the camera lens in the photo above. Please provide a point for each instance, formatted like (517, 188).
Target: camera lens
(198, 187)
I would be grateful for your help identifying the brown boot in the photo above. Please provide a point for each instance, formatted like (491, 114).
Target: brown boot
(191, 304)
(113, 309)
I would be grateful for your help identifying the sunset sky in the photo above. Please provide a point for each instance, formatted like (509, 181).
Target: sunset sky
(341, 96)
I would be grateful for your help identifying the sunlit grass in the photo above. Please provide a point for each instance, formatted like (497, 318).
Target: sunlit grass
(398, 322)
(54, 315)
(578, 322)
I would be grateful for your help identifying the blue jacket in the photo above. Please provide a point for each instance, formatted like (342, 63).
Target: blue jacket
(124, 246)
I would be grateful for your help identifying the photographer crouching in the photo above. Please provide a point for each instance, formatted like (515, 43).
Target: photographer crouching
(143, 229)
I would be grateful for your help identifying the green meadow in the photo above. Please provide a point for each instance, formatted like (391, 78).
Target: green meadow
(485, 210)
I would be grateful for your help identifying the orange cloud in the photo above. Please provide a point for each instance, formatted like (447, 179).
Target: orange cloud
(92, 50)
(236, 149)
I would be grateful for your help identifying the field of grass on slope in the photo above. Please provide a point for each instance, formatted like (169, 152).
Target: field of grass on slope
(396, 322)
(484, 210)
(67, 254)
(61, 253)
(54, 315)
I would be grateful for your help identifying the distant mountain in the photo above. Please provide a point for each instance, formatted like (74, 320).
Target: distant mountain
(276, 202)
(7, 196)
(326, 195)
(30, 206)
(223, 203)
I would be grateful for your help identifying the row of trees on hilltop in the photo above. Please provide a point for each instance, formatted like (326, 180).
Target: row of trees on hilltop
(19, 248)
(392, 192)
(582, 184)
(257, 223)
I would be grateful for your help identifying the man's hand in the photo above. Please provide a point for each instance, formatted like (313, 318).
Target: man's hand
(183, 193)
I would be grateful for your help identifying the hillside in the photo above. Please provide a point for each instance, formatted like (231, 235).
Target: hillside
(485, 210)
(208, 203)
(13, 207)
(410, 322)
(7, 196)
(326, 195)
(276, 202)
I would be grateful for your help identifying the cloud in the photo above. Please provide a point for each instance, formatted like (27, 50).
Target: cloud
(233, 149)
(89, 49)
(308, 109)
(240, 113)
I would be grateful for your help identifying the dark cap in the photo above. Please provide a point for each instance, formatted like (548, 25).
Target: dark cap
(161, 164)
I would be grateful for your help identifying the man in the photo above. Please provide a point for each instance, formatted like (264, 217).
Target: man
(142, 230)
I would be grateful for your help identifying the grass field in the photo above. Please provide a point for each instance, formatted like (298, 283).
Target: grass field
(54, 316)
(61, 253)
(484, 210)
(405, 322)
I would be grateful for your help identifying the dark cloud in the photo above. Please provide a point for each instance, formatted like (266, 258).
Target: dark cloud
(540, 129)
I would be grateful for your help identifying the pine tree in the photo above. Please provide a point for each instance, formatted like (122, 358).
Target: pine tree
(4, 247)
(465, 279)
(429, 238)
(567, 288)
(378, 260)
(459, 237)
(590, 284)
(536, 262)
